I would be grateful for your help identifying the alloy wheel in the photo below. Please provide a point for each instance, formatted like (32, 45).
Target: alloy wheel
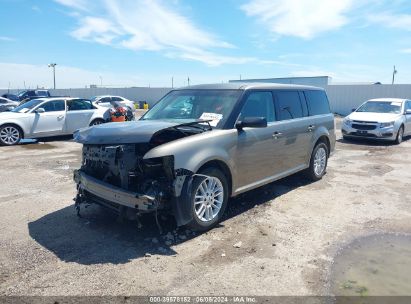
(208, 199)
(320, 160)
(9, 135)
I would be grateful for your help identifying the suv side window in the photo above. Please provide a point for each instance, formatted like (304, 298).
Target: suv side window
(408, 105)
(53, 106)
(78, 105)
(317, 102)
(288, 105)
(259, 104)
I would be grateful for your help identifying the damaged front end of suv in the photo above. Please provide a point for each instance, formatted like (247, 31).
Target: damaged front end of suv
(116, 174)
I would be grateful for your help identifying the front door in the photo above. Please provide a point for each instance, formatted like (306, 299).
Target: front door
(51, 121)
(255, 146)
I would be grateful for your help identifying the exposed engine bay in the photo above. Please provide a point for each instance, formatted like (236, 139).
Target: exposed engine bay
(122, 168)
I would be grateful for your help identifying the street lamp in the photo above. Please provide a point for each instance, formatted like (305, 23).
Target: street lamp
(393, 74)
(53, 65)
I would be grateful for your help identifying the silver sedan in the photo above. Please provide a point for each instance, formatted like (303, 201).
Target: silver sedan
(383, 119)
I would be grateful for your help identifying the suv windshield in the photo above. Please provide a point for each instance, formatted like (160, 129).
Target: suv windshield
(214, 105)
(27, 106)
(381, 107)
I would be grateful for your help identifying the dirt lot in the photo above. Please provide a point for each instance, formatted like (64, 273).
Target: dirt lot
(289, 230)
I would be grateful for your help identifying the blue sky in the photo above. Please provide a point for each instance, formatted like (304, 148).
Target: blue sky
(147, 42)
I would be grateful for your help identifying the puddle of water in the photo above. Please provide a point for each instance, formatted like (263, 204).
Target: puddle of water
(373, 266)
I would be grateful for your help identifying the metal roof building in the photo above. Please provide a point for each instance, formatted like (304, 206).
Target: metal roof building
(317, 81)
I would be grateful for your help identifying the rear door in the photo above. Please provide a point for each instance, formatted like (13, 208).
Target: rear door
(294, 131)
(52, 121)
(79, 113)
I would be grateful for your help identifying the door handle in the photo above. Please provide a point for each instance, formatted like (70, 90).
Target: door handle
(310, 128)
(276, 135)
(60, 117)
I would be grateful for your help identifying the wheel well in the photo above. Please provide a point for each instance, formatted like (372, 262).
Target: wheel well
(223, 167)
(96, 119)
(324, 139)
(14, 125)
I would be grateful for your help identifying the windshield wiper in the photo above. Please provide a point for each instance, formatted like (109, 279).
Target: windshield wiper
(196, 125)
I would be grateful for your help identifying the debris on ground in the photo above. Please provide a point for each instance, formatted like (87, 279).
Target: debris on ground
(238, 244)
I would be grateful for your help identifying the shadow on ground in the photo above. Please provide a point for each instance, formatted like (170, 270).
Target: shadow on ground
(97, 237)
(369, 142)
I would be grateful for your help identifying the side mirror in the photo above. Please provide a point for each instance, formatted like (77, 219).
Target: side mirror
(408, 112)
(251, 122)
(40, 110)
(353, 110)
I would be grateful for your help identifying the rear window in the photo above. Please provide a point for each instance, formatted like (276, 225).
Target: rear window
(317, 102)
(289, 105)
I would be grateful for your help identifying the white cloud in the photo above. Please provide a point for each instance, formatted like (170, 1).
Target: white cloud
(304, 19)
(21, 76)
(33, 76)
(149, 25)
(36, 9)
(396, 21)
(6, 38)
(76, 4)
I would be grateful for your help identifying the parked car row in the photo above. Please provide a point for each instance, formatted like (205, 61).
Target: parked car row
(27, 95)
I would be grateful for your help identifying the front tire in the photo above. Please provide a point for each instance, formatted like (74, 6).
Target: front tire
(208, 199)
(318, 162)
(400, 136)
(10, 135)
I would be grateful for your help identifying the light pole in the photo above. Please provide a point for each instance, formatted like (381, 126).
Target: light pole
(53, 65)
(393, 74)
(101, 81)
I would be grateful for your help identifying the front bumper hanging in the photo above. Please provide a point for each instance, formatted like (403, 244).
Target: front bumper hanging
(105, 191)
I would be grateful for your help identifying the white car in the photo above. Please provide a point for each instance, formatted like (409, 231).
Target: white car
(7, 104)
(46, 117)
(105, 101)
(381, 118)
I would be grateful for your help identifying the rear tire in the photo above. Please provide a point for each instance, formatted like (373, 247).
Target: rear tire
(318, 162)
(10, 135)
(208, 199)
(400, 136)
(97, 121)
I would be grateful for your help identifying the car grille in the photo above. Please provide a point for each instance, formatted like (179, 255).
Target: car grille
(364, 134)
(363, 127)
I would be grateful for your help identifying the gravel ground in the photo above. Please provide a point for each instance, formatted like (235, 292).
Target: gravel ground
(277, 240)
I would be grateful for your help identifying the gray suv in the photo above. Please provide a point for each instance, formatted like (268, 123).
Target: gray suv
(200, 145)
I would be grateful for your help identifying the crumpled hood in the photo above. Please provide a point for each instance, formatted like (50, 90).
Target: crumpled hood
(378, 117)
(140, 131)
